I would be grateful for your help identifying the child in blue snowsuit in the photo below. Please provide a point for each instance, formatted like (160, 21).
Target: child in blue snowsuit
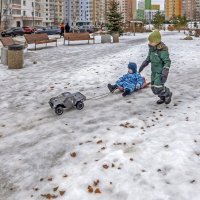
(129, 82)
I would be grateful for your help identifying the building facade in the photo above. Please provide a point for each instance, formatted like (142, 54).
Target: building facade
(191, 9)
(94, 12)
(141, 5)
(78, 12)
(147, 4)
(128, 9)
(173, 8)
(155, 7)
(197, 5)
(149, 14)
(59, 11)
(19, 13)
(99, 12)
(132, 7)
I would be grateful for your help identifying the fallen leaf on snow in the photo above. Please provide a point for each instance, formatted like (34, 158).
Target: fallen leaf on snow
(55, 189)
(62, 193)
(105, 166)
(127, 125)
(97, 191)
(96, 183)
(73, 155)
(49, 196)
(99, 142)
(90, 189)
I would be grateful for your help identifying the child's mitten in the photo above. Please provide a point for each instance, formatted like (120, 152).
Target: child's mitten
(144, 64)
(164, 75)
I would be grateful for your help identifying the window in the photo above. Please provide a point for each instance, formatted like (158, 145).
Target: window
(16, 12)
(24, 3)
(24, 13)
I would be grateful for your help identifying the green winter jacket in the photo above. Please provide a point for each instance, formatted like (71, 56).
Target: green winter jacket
(159, 58)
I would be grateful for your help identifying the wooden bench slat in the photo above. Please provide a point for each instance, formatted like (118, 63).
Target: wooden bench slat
(39, 39)
(7, 41)
(77, 36)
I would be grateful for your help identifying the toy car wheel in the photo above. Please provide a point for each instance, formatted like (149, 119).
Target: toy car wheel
(59, 110)
(79, 105)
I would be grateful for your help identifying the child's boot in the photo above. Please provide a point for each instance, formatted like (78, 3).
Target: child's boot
(112, 87)
(161, 100)
(168, 98)
(126, 92)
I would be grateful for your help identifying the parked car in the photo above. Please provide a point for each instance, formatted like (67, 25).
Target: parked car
(12, 32)
(28, 30)
(49, 30)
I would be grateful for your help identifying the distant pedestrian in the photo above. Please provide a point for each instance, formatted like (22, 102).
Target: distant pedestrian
(62, 29)
(67, 28)
(158, 56)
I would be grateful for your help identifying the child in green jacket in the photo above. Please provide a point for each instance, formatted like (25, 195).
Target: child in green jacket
(158, 56)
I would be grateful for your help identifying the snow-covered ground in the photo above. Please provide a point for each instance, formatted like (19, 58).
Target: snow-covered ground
(125, 148)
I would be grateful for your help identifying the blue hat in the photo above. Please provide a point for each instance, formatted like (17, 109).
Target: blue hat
(132, 66)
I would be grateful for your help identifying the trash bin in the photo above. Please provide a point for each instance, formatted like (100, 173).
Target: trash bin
(15, 56)
(4, 55)
(105, 38)
(115, 37)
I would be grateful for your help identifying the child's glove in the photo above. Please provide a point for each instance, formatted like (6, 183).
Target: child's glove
(138, 86)
(164, 75)
(144, 64)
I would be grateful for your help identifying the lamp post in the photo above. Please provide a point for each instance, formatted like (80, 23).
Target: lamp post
(0, 12)
(33, 14)
(149, 19)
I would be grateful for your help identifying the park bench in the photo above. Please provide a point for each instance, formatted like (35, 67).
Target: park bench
(41, 38)
(7, 41)
(78, 36)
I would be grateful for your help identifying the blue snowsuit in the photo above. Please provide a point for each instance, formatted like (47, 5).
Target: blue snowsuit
(131, 82)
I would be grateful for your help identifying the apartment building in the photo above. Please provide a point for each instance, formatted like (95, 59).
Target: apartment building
(31, 13)
(84, 12)
(141, 5)
(128, 9)
(173, 8)
(21, 13)
(59, 11)
(95, 11)
(155, 7)
(149, 14)
(197, 15)
(147, 4)
(99, 11)
(191, 9)
(132, 7)
(48, 12)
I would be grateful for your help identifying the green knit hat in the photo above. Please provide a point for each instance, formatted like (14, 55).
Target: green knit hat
(155, 37)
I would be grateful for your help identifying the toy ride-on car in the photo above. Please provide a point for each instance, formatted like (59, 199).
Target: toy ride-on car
(67, 100)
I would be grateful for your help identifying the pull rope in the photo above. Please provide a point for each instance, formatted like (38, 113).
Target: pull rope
(99, 96)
